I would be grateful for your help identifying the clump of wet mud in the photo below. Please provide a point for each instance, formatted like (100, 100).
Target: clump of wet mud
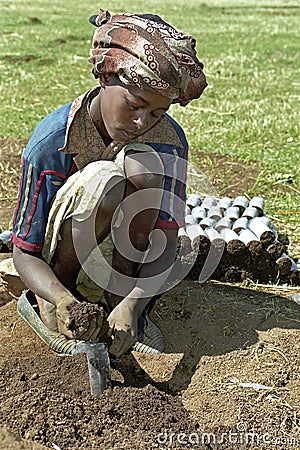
(83, 314)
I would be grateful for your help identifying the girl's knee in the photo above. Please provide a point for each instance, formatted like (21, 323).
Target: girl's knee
(144, 170)
(113, 196)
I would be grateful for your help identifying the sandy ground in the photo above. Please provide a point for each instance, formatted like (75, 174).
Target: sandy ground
(229, 376)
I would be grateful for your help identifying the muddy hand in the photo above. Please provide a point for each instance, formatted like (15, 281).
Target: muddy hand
(122, 329)
(63, 307)
(82, 325)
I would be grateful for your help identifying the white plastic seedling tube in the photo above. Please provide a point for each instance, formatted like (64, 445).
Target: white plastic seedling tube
(194, 230)
(199, 212)
(284, 264)
(193, 200)
(181, 232)
(258, 203)
(250, 212)
(240, 224)
(247, 236)
(241, 202)
(284, 256)
(233, 213)
(229, 235)
(190, 219)
(258, 227)
(215, 213)
(208, 202)
(266, 220)
(188, 210)
(294, 266)
(214, 237)
(225, 222)
(207, 223)
(296, 297)
(224, 203)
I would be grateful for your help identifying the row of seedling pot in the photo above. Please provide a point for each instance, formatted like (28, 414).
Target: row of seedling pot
(245, 236)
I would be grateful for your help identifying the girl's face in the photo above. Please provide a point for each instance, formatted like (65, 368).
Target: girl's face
(127, 111)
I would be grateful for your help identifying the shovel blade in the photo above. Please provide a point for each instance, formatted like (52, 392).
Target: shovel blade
(98, 366)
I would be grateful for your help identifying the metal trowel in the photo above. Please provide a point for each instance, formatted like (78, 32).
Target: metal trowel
(98, 365)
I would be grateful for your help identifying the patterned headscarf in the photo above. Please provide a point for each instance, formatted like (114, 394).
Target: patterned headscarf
(146, 51)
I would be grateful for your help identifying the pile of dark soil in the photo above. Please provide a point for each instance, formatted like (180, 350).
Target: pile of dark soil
(217, 336)
(47, 400)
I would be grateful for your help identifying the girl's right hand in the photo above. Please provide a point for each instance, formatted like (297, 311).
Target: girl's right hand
(90, 327)
(63, 307)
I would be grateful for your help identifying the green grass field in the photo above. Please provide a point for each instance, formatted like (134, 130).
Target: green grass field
(251, 54)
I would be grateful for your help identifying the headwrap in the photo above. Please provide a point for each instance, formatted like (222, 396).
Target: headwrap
(146, 51)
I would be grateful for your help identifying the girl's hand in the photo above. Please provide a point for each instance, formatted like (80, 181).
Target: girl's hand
(112, 150)
(86, 325)
(63, 307)
(123, 324)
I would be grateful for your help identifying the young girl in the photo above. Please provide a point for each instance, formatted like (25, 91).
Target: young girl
(111, 162)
